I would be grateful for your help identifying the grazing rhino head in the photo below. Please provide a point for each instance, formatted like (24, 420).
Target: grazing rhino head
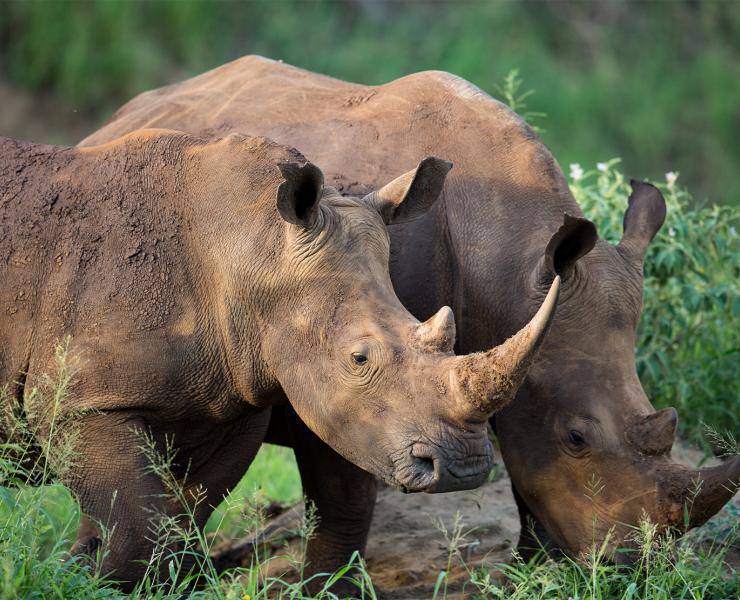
(598, 458)
(381, 388)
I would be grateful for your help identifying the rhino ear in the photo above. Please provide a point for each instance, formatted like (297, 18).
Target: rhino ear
(298, 196)
(575, 238)
(409, 196)
(645, 215)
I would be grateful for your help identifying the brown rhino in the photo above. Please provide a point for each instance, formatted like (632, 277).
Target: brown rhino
(204, 282)
(582, 440)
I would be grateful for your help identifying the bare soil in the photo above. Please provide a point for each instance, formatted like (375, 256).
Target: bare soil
(409, 540)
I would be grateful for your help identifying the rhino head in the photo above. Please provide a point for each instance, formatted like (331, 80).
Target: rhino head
(381, 388)
(598, 456)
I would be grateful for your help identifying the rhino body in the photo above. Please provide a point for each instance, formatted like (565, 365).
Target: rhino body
(505, 226)
(202, 283)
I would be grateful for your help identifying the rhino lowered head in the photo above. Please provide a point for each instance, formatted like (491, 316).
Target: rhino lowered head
(598, 457)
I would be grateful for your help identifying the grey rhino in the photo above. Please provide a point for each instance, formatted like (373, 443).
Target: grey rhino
(204, 282)
(505, 226)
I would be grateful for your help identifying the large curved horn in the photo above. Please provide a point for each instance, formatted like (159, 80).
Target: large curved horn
(716, 485)
(488, 380)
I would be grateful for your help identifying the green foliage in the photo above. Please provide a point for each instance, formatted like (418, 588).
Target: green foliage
(650, 81)
(688, 344)
(509, 91)
(38, 524)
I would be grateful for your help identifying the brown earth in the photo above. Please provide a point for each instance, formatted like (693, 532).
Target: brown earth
(409, 540)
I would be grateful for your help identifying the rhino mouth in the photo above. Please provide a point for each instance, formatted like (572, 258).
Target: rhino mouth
(425, 467)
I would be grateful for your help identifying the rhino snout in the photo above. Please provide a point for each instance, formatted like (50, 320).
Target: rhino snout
(426, 467)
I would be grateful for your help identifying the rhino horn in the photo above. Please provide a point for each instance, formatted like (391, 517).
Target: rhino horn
(704, 491)
(654, 433)
(437, 333)
(489, 380)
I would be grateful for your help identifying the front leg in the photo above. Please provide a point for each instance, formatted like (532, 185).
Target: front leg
(118, 488)
(218, 458)
(121, 498)
(344, 499)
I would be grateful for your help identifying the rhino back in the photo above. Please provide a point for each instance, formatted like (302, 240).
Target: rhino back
(89, 249)
(504, 199)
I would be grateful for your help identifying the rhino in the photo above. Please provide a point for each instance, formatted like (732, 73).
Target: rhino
(203, 282)
(587, 453)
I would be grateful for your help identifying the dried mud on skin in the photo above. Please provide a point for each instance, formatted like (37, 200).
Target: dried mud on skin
(406, 549)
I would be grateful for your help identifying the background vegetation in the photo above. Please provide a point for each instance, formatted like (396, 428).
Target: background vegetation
(653, 82)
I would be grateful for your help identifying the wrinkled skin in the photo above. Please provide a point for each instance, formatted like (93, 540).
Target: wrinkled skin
(495, 241)
(203, 283)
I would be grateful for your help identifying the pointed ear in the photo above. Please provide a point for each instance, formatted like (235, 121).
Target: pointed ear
(409, 196)
(298, 196)
(575, 238)
(645, 215)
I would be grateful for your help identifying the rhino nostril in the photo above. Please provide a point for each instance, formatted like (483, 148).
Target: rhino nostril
(424, 463)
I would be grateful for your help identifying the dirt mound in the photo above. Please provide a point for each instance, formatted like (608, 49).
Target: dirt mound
(411, 537)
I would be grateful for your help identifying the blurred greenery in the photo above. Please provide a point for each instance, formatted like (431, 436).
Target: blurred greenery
(654, 82)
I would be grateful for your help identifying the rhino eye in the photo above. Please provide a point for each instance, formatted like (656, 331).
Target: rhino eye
(359, 359)
(576, 438)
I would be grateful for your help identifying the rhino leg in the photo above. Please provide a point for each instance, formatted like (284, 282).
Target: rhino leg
(220, 461)
(116, 488)
(344, 497)
(119, 497)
